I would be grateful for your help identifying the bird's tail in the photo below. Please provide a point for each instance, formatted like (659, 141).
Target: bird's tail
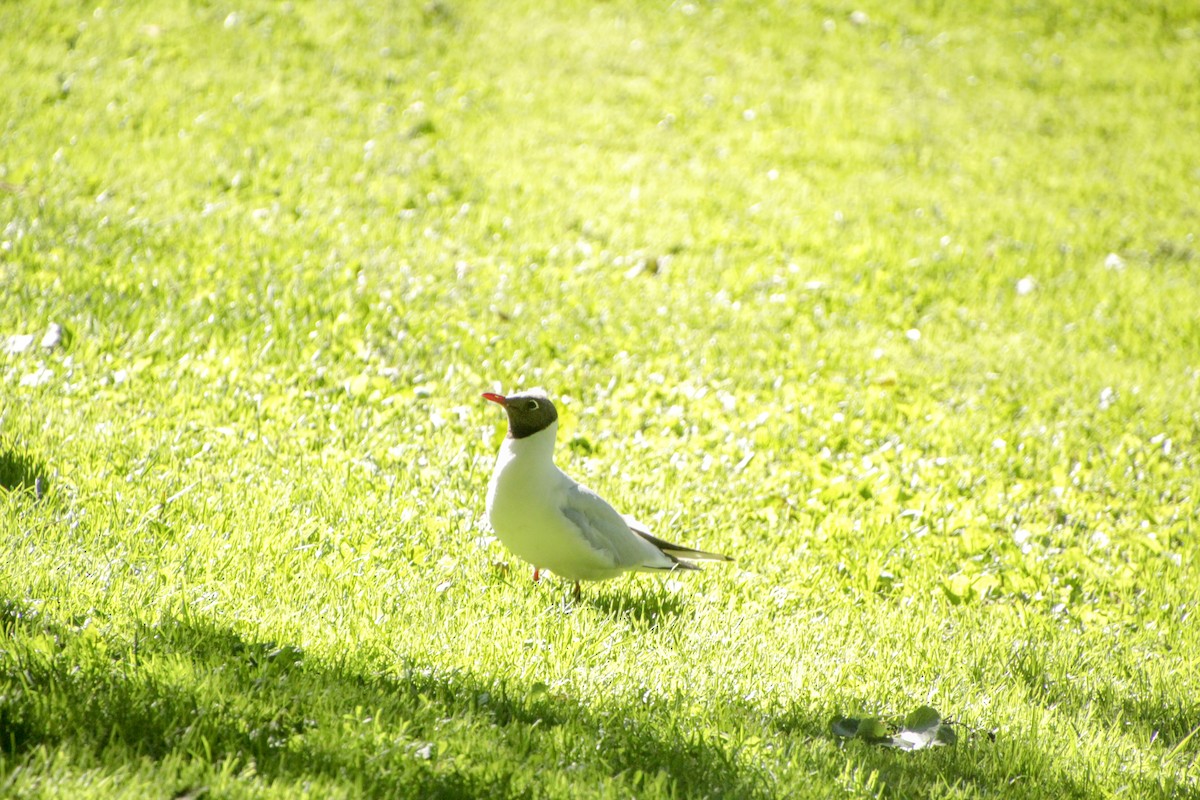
(675, 551)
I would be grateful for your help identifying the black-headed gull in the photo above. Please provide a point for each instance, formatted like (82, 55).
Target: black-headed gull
(549, 520)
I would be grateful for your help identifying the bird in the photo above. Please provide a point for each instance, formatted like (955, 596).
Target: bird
(547, 519)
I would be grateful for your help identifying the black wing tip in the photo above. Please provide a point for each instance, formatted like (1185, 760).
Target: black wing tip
(678, 551)
(696, 555)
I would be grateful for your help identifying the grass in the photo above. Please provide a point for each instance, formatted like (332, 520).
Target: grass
(898, 309)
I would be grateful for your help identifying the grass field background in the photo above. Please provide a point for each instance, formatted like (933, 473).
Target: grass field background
(899, 307)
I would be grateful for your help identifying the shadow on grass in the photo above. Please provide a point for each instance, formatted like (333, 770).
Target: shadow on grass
(190, 689)
(649, 607)
(1141, 709)
(978, 765)
(20, 471)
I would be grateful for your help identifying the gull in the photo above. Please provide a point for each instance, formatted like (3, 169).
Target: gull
(546, 518)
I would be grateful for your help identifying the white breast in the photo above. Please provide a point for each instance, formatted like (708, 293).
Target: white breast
(524, 505)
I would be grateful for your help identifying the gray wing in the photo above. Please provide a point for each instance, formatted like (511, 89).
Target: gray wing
(606, 530)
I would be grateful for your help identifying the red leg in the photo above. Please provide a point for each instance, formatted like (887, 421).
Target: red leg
(537, 574)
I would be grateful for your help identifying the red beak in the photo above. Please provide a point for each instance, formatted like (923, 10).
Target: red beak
(496, 398)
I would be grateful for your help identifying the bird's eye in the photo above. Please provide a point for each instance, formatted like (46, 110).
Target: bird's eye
(532, 405)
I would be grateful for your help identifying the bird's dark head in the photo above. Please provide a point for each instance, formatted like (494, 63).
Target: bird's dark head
(529, 412)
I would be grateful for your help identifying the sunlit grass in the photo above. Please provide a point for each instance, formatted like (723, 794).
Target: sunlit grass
(898, 308)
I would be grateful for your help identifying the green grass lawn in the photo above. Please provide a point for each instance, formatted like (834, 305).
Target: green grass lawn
(900, 308)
